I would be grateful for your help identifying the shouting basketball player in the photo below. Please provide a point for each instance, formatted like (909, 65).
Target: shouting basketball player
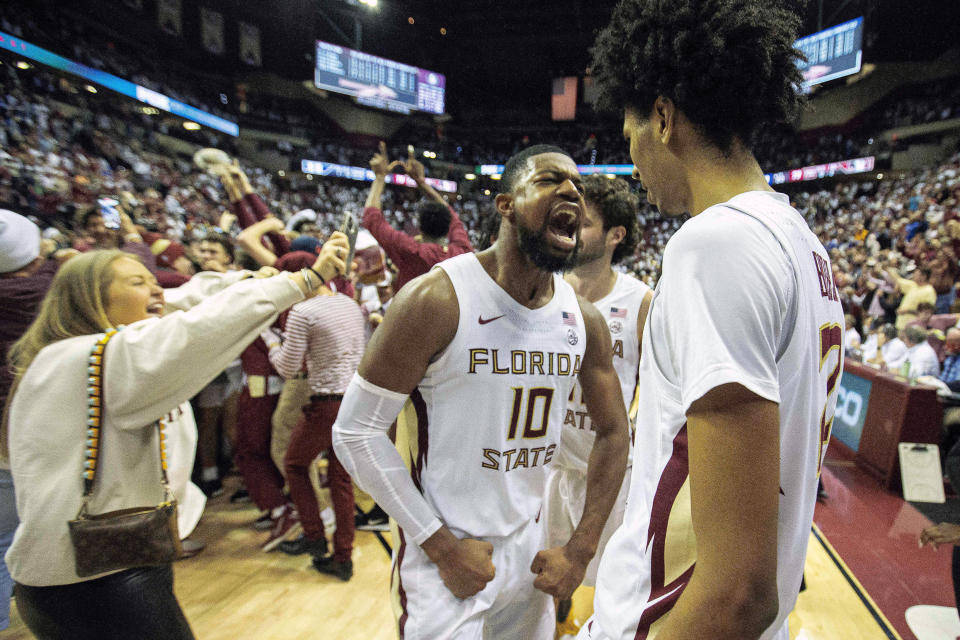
(488, 347)
(742, 348)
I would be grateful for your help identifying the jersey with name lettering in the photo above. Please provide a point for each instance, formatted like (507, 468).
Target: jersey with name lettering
(490, 407)
(746, 297)
(620, 310)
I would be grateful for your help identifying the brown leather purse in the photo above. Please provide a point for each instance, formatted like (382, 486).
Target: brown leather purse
(127, 538)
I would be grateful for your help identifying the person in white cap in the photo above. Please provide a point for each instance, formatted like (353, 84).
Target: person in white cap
(25, 276)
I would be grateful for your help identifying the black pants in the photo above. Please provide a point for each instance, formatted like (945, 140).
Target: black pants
(136, 603)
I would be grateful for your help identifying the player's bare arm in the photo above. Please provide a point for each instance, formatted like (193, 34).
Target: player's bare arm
(422, 321)
(734, 447)
(561, 570)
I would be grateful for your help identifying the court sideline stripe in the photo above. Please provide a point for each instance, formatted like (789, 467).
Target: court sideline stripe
(865, 598)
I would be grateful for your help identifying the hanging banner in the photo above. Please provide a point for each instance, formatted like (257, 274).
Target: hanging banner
(250, 44)
(211, 30)
(170, 16)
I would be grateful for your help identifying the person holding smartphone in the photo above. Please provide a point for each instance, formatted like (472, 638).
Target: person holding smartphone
(108, 226)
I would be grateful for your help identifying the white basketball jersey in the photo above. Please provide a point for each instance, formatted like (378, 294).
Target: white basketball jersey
(746, 297)
(620, 310)
(490, 407)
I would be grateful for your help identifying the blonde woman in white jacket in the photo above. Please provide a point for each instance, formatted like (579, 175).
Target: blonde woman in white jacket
(151, 368)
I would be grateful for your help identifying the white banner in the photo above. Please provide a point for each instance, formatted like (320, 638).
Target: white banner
(170, 16)
(250, 44)
(211, 30)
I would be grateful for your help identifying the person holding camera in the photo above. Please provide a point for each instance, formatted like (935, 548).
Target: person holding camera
(104, 374)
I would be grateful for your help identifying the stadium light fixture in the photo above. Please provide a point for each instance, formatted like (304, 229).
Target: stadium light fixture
(370, 3)
(411, 20)
(309, 177)
(443, 31)
(90, 88)
(470, 176)
(486, 192)
(190, 126)
(610, 176)
(281, 173)
(429, 154)
(879, 176)
(496, 176)
(24, 65)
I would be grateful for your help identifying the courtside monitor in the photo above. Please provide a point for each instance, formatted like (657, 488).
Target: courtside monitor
(378, 82)
(832, 53)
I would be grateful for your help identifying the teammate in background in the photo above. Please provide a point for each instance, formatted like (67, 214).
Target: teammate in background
(609, 233)
(488, 346)
(742, 349)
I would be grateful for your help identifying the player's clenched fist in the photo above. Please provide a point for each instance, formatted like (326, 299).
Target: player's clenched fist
(466, 566)
(557, 573)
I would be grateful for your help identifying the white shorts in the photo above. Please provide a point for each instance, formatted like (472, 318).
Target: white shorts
(507, 608)
(566, 493)
(591, 631)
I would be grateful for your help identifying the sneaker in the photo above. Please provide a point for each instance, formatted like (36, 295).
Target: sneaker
(286, 525)
(263, 523)
(302, 544)
(212, 488)
(374, 520)
(329, 566)
(240, 496)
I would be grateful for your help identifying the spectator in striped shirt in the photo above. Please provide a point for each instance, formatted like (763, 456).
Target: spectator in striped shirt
(328, 333)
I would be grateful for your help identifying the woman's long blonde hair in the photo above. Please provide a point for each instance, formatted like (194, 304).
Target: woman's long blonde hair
(74, 306)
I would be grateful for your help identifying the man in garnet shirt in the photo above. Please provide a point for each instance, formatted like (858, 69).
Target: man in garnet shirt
(442, 235)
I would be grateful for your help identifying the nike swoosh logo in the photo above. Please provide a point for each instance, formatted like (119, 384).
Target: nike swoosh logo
(482, 321)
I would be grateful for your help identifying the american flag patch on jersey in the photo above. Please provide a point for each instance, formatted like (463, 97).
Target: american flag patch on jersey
(569, 318)
(618, 313)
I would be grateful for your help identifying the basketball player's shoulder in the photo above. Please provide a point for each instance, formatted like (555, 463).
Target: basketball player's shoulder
(429, 298)
(630, 284)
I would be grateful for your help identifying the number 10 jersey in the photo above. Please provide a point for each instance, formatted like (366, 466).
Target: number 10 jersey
(490, 407)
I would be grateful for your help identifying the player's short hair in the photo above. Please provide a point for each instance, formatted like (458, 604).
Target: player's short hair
(889, 331)
(618, 207)
(433, 219)
(517, 163)
(729, 65)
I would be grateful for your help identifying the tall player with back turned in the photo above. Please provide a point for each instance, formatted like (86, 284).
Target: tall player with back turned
(609, 233)
(488, 347)
(742, 348)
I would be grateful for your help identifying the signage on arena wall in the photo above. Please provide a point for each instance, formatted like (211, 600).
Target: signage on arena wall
(818, 171)
(853, 397)
(318, 168)
(112, 82)
(585, 169)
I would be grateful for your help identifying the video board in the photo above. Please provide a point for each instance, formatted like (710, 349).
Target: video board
(832, 53)
(378, 82)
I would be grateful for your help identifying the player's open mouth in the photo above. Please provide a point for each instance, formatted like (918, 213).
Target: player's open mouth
(155, 309)
(562, 227)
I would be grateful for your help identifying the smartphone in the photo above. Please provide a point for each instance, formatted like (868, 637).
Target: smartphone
(350, 228)
(109, 211)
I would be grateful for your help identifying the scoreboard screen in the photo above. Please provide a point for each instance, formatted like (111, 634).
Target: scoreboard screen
(378, 82)
(832, 53)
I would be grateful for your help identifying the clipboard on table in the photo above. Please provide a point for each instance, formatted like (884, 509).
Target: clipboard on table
(921, 473)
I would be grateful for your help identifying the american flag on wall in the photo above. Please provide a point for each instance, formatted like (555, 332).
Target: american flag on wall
(563, 99)
(616, 312)
(569, 318)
